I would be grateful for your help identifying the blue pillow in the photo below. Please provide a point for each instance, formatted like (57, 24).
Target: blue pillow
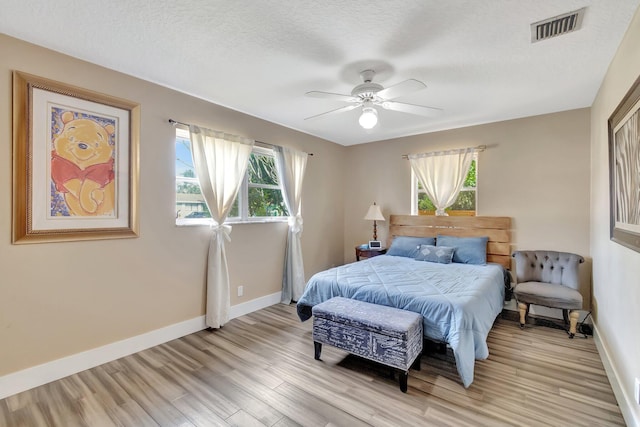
(408, 246)
(469, 250)
(439, 254)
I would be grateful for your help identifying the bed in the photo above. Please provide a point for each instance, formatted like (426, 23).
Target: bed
(459, 301)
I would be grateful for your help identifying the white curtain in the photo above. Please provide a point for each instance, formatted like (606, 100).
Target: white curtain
(442, 174)
(221, 162)
(291, 166)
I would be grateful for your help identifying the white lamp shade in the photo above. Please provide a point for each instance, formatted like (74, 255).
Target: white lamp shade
(369, 118)
(374, 213)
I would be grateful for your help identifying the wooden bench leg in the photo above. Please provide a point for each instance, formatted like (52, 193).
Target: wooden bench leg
(317, 350)
(416, 363)
(403, 376)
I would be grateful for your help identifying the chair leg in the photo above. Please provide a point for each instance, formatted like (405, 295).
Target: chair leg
(524, 309)
(573, 321)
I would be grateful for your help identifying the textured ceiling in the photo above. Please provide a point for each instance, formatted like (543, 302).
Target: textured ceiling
(261, 57)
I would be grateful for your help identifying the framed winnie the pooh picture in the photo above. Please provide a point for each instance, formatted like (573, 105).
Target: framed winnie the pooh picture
(75, 163)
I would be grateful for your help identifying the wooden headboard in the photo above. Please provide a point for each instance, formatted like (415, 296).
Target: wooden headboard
(497, 228)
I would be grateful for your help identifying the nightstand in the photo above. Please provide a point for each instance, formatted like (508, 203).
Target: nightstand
(369, 253)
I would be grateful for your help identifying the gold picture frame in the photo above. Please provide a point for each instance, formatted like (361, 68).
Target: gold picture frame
(624, 170)
(75, 163)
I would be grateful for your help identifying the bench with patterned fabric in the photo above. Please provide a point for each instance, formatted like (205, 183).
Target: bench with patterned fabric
(383, 334)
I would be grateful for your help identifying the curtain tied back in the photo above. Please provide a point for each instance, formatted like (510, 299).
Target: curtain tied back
(221, 232)
(291, 166)
(220, 161)
(295, 224)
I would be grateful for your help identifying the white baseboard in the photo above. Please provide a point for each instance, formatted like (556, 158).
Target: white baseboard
(254, 305)
(625, 401)
(29, 378)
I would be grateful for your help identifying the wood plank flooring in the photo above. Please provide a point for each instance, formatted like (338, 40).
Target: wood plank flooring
(259, 370)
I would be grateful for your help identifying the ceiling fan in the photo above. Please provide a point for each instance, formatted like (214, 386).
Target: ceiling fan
(370, 95)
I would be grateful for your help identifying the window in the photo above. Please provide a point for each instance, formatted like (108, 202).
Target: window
(465, 204)
(261, 187)
(259, 197)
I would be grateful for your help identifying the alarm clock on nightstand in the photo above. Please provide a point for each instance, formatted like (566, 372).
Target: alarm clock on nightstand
(375, 244)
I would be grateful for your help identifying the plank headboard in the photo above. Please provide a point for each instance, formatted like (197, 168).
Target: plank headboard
(497, 228)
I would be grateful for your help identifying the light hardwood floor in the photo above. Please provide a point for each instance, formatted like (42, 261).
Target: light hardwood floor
(258, 370)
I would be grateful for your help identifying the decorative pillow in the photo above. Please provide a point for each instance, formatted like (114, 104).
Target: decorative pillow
(408, 246)
(468, 250)
(439, 254)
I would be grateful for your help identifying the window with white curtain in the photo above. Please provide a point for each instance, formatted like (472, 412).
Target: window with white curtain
(259, 198)
(465, 204)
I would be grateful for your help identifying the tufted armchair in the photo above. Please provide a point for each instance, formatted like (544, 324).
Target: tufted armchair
(549, 279)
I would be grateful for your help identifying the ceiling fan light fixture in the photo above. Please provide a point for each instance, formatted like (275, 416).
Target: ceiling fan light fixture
(368, 118)
(369, 95)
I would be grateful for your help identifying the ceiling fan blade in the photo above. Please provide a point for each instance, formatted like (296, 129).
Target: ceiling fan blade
(403, 88)
(333, 96)
(337, 110)
(419, 110)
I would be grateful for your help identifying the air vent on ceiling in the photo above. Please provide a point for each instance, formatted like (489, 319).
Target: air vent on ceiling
(557, 26)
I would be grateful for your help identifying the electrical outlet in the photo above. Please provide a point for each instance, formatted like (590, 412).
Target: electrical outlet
(240, 291)
(637, 391)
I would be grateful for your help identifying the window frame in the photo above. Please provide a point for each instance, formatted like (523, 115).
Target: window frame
(415, 193)
(242, 197)
(243, 202)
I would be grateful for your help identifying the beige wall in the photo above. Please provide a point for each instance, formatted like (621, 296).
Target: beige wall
(616, 269)
(62, 298)
(58, 299)
(534, 170)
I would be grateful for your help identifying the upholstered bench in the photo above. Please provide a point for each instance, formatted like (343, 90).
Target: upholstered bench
(383, 334)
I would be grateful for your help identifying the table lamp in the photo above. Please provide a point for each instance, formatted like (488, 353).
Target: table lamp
(374, 214)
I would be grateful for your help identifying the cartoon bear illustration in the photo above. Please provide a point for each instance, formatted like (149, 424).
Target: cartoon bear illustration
(82, 166)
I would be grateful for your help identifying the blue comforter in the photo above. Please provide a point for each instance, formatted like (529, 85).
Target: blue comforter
(458, 302)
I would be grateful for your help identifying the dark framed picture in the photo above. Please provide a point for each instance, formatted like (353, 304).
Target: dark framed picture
(75, 163)
(624, 170)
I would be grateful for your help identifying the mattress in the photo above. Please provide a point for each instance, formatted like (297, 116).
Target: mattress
(458, 302)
